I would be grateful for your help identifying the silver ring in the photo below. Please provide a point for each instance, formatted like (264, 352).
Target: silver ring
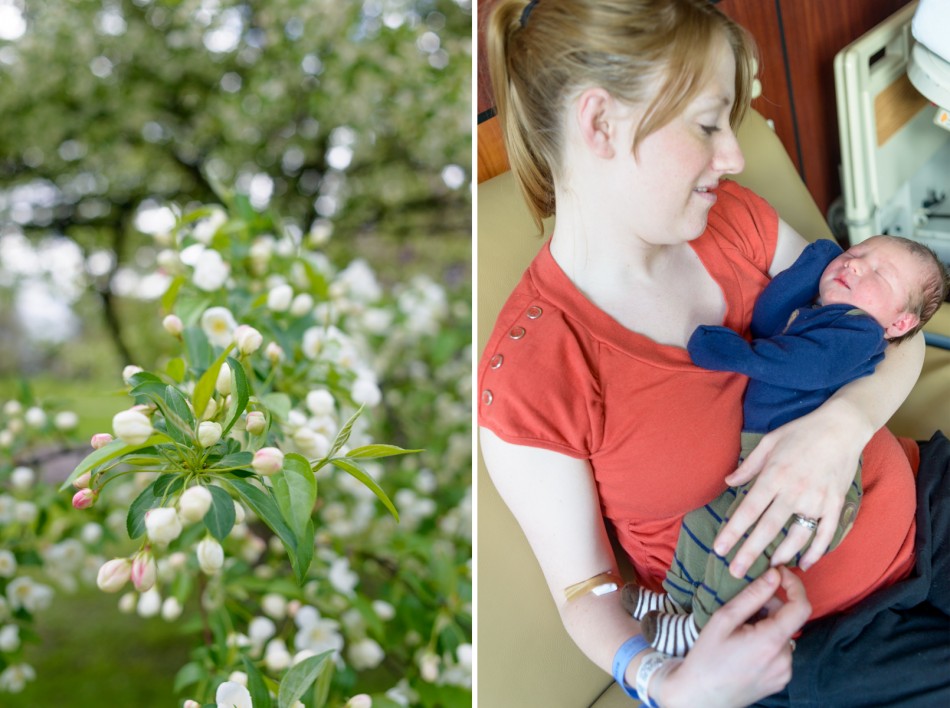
(810, 524)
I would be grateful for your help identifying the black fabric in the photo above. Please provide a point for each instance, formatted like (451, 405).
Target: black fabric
(893, 648)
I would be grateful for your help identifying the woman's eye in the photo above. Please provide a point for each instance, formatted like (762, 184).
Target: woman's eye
(709, 129)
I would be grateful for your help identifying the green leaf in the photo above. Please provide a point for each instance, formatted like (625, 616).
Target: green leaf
(204, 389)
(267, 511)
(115, 449)
(295, 489)
(189, 674)
(176, 369)
(278, 404)
(347, 466)
(197, 348)
(367, 452)
(147, 384)
(178, 414)
(235, 459)
(171, 294)
(301, 677)
(220, 517)
(152, 496)
(321, 688)
(260, 696)
(344, 435)
(240, 393)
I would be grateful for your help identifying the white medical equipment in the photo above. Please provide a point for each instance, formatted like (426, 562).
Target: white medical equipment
(895, 156)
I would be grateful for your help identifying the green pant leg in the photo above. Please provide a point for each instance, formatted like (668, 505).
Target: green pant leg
(694, 546)
(718, 586)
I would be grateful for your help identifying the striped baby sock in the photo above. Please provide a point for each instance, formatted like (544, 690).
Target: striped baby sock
(638, 601)
(672, 634)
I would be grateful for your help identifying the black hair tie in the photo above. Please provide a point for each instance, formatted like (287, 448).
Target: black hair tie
(526, 13)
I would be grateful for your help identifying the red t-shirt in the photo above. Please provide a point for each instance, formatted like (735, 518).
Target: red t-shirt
(660, 433)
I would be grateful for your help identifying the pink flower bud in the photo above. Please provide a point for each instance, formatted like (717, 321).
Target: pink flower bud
(84, 498)
(268, 461)
(248, 339)
(255, 423)
(83, 480)
(100, 440)
(114, 574)
(173, 325)
(144, 571)
(191, 704)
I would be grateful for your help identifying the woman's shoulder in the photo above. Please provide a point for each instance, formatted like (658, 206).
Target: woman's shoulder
(742, 221)
(537, 379)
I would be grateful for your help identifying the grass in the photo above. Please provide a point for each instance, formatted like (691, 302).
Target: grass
(91, 655)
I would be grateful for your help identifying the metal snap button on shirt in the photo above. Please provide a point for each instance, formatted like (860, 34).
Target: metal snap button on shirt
(534, 312)
(496, 361)
(487, 398)
(516, 332)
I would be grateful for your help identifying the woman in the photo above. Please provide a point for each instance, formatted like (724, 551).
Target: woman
(618, 118)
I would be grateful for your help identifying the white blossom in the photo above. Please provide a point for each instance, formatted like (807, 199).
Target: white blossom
(211, 272)
(8, 564)
(218, 325)
(25, 593)
(22, 478)
(9, 638)
(14, 677)
(279, 298)
(150, 603)
(316, 633)
(365, 654)
(231, 694)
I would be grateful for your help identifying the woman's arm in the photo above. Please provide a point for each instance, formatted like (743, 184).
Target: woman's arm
(554, 499)
(806, 466)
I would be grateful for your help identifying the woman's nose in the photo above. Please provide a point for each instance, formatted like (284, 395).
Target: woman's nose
(728, 158)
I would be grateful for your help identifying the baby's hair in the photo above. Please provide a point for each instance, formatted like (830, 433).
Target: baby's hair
(654, 53)
(933, 291)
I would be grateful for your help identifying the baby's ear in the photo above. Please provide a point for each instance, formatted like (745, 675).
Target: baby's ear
(902, 325)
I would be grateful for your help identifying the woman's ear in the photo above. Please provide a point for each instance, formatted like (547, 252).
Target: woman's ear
(596, 120)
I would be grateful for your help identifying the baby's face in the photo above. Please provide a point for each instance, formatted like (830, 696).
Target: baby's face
(877, 276)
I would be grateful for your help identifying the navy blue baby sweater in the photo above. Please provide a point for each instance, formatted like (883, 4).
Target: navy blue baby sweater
(800, 353)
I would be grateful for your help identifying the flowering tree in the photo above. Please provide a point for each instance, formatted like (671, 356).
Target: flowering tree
(243, 485)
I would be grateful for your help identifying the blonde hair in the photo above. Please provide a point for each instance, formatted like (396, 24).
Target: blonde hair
(622, 46)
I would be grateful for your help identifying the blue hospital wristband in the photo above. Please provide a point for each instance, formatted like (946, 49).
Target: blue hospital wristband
(622, 659)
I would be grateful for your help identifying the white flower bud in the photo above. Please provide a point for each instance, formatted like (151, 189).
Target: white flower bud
(210, 409)
(365, 654)
(65, 421)
(255, 423)
(223, 383)
(360, 700)
(268, 461)
(9, 638)
(132, 427)
(320, 402)
(301, 305)
(194, 503)
(274, 605)
(22, 478)
(12, 408)
(130, 371)
(210, 555)
(171, 609)
(127, 603)
(209, 433)
(114, 574)
(173, 325)
(162, 525)
(247, 339)
(150, 603)
(279, 298)
(35, 417)
(274, 353)
(365, 392)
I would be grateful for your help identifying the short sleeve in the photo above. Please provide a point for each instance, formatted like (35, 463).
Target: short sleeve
(538, 384)
(745, 222)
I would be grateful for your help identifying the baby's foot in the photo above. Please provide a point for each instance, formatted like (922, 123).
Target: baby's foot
(672, 634)
(638, 601)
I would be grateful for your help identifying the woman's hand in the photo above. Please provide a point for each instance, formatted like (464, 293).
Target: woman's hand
(805, 468)
(734, 663)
